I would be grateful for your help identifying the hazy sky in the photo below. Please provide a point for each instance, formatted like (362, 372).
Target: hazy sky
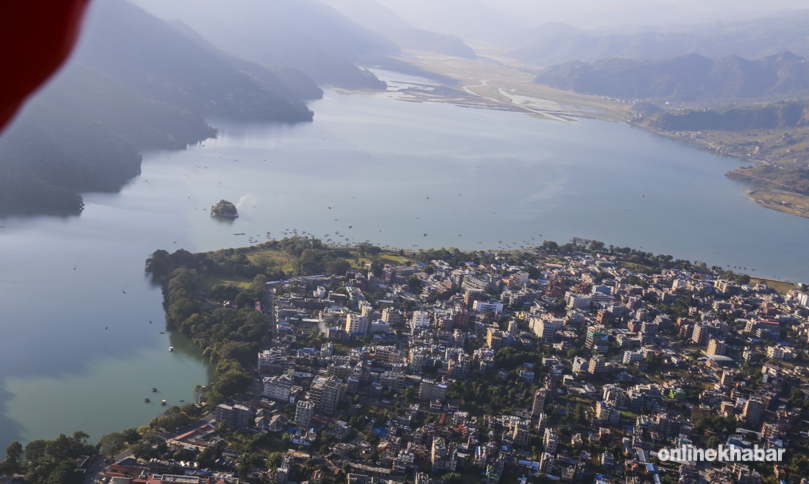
(470, 17)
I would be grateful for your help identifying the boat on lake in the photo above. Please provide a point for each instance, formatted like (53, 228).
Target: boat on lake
(171, 348)
(162, 402)
(146, 400)
(154, 389)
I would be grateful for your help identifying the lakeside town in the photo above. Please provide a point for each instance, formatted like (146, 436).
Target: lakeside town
(576, 363)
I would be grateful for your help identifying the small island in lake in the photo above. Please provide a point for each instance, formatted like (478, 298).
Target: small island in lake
(224, 209)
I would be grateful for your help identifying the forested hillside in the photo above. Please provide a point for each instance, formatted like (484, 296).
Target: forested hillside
(769, 116)
(135, 82)
(83, 134)
(303, 34)
(690, 78)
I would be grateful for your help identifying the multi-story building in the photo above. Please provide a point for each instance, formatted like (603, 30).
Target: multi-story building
(431, 390)
(277, 387)
(539, 402)
(487, 307)
(420, 320)
(391, 316)
(578, 301)
(579, 364)
(356, 324)
(304, 411)
(596, 339)
(234, 416)
(392, 380)
(550, 441)
(327, 393)
(616, 397)
(701, 334)
(607, 413)
(544, 329)
(632, 356)
(546, 462)
(596, 365)
(270, 357)
(542, 423)
(753, 410)
(716, 347)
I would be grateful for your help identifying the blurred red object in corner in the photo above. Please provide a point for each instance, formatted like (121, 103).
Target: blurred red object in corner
(36, 36)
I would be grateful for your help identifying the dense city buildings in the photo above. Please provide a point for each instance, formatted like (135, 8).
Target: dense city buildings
(530, 365)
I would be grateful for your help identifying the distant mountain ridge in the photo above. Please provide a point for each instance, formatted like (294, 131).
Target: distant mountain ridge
(690, 78)
(166, 64)
(380, 19)
(556, 43)
(304, 34)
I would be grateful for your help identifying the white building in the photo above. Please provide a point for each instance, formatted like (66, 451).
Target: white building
(277, 387)
(356, 324)
(577, 301)
(420, 319)
(487, 307)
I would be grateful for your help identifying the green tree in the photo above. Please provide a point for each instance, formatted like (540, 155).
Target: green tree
(451, 478)
(111, 444)
(131, 435)
(259, 284)
(14, 454)
(224, 208)
(64, 473)
(139, 450)
(273, 461)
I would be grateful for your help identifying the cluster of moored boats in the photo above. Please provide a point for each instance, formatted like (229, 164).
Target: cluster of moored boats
(154, 390)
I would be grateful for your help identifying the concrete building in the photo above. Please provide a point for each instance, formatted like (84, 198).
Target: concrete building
(277, 387)
(550, 441)
(487, 307)
(544, 329)
(420, 319)
(539, 402)
(304, 411)
(431, 390)
(753, 410)
(234, 416)
(701, 334)
(716, 347)
(596, 365)
(632, 356)
(356, 324)
(327, 393)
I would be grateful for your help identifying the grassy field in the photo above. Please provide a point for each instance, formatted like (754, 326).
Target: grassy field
(781, 287)
(211, 280)
(284, 261)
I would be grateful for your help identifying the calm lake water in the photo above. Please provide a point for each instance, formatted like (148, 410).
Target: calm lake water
(78, 351)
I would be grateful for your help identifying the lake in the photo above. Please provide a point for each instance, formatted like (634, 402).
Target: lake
(78, 351)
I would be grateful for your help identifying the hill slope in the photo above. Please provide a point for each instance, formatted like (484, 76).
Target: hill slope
(303, 34)
(380, 19)
(72, 137)
(555, 43)
(152, 57)
(691, 78)
(781, 115)
(135, 82)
